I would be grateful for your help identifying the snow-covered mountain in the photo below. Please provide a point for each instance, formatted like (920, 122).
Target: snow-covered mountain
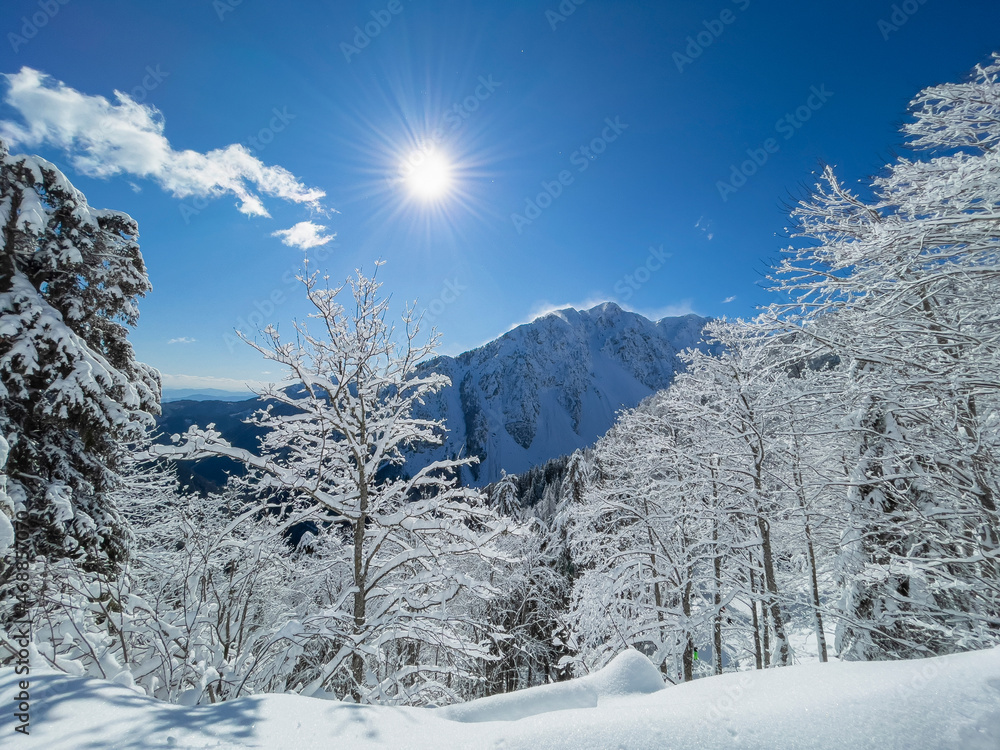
(551, 386)
(542, 390)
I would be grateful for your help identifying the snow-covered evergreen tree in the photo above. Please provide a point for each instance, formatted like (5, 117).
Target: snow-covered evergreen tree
(504, 497)
(71, 390)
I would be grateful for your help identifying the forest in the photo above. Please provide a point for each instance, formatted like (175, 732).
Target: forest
(824, 487)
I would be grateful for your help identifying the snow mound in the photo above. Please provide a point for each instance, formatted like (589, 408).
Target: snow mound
(559, 696)
(629, 673)
(946, 703)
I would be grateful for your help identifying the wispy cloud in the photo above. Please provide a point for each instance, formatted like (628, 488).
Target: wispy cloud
(727, 300)
(543, 308)
(104, 139)
(676, 310)
(705, 226)
(208, 381)
(304, 235)
(182, 340)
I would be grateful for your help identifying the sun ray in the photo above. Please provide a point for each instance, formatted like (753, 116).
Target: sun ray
(428, 174)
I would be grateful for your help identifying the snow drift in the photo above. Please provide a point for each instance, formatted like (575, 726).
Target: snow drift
(629, 673)
(946, 703)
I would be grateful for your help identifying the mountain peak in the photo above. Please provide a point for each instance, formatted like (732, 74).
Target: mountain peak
(575, 315)
(551, 386)
(606, 308)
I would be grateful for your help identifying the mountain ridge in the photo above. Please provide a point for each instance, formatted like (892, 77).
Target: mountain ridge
(541, 390)
(554, 385)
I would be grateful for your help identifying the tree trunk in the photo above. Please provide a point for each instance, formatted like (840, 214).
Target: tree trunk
(781, 641)
(360, 598)
(758, 653)
(814, 578)
(717, 624)
(820, 634)
(688, 641)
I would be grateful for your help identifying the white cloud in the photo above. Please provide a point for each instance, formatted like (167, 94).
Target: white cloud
(304, 235)
(104, 139)
(182, 340)
(705, 226)
(541, 309)
(727, 300)
(669, 311)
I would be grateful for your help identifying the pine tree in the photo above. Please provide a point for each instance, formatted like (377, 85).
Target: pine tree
(71, 390)
(504, 498)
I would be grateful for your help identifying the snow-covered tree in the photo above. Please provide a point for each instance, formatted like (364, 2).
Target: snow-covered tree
(504, 497)
(6, 504)
(903, 288)
(528, 611)
(400, 629)
(740, 394)
(200, 610)
(71, 390)
(637, 538)
(704, 528)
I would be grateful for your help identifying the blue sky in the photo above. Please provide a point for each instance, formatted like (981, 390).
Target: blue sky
(247, 118)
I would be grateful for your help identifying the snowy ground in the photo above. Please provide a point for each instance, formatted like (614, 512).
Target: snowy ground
(949, 702)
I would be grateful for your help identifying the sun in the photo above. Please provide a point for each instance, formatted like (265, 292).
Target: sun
(428, 175)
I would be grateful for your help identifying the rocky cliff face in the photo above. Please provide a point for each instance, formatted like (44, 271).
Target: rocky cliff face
(554, 385)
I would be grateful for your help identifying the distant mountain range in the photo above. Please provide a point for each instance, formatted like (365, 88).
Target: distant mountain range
(203, 394)
(542, 390)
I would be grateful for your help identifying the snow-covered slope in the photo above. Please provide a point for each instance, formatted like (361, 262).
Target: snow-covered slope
(948, 703)
(554, 385)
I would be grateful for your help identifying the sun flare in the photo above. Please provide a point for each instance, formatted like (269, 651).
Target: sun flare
(428, 175)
